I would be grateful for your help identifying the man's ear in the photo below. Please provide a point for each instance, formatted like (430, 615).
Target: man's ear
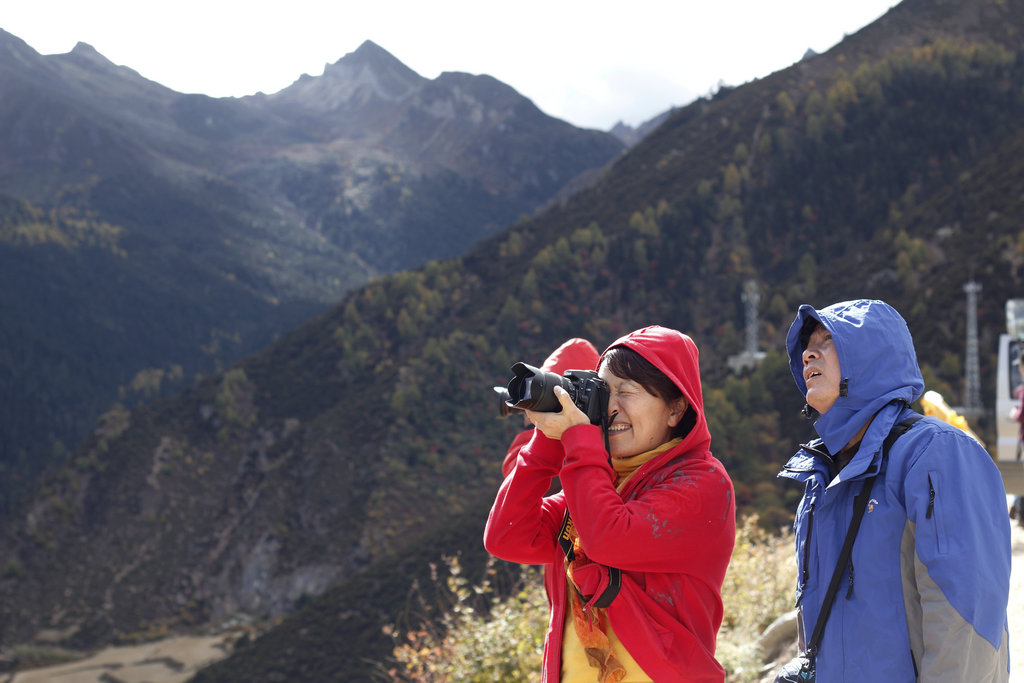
(679, 408)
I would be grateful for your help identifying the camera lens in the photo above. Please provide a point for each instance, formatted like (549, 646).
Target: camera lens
(504, 409)
(533, 389)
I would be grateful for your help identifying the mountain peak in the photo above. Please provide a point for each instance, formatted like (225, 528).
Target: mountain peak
(368, 72)
(84, 53)
(85, 56)
(368, 51)
(85, 49)
(14, 46)
(372, 65)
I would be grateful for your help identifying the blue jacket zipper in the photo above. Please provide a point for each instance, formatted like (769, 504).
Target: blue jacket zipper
(805, 575)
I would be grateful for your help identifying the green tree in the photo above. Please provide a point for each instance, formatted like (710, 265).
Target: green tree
(785, 104)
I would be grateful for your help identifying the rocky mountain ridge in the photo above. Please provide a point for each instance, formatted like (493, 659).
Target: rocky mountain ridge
(235, 218)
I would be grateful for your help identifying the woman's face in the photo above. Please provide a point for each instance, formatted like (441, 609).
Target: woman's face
(643, 421)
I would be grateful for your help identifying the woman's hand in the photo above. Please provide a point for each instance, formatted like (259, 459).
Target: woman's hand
(553, 425)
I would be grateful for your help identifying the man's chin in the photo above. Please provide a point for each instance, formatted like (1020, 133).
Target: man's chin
(820, 404)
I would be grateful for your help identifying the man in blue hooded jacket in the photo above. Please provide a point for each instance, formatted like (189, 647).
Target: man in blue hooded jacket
(924, 596)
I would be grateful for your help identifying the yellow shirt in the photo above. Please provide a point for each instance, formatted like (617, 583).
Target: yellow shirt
(576, 668)
(575, 665)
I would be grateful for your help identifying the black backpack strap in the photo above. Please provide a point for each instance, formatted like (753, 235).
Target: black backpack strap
(897, 431)
(859, 504)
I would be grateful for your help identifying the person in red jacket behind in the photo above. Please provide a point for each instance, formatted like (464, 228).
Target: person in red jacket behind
(637, 542)
(573, 354)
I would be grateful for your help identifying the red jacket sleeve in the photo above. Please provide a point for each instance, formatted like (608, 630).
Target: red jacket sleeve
(522, 438)
(523, 524)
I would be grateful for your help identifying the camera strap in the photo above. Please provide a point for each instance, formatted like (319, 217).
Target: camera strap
(606, 421)
(566, 539)
(567, 535)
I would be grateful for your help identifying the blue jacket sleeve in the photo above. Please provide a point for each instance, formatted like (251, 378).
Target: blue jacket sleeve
(957, 577)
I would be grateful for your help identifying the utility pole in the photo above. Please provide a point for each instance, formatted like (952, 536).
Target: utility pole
(972, 397)
(750, 356)
(751, 298)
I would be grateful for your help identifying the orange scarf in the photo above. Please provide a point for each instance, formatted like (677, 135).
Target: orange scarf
(625, 468)
(590, 625)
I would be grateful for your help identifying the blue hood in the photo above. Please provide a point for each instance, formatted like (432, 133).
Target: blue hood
(877, 360)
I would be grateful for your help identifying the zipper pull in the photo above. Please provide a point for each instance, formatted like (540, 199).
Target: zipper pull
(931, 499)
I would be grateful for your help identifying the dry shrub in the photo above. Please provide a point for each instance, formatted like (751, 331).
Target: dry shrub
(759, 586)
(482, 638)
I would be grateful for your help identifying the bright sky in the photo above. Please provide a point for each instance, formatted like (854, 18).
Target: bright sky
(590, 62)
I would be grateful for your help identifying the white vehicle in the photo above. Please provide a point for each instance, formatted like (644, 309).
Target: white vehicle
(1008, 383)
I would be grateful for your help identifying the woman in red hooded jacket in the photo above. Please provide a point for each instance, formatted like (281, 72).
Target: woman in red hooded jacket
(638, 540)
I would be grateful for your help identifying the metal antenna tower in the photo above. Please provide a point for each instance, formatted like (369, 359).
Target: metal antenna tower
(751, 298)
(750, 356)
(972, 399)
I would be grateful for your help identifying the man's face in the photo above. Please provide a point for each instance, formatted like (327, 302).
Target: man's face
(821, 370)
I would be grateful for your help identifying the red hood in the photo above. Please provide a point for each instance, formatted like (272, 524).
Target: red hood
(574, 354)
(675, 354)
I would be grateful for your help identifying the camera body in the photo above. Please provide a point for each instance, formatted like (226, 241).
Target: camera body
(534, 389)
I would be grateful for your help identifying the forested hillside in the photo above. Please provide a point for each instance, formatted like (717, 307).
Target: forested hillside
(326, 472)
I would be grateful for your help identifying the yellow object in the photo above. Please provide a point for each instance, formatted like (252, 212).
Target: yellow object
(935, 406)
(576, 668)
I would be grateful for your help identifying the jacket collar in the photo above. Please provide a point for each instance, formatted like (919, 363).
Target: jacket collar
(867, 461)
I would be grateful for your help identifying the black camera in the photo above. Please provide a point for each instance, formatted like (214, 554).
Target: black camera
(533, 389)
